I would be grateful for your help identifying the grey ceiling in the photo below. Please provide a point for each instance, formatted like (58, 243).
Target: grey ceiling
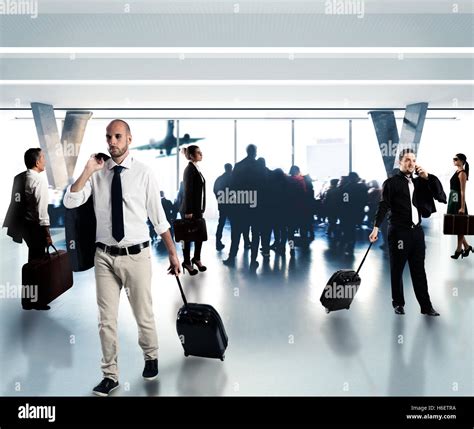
(258, 24)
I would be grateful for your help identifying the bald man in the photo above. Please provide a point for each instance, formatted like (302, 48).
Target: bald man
(125, 194)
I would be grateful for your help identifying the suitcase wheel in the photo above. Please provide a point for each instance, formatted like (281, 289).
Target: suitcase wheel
(328, 311)
(222, 358)
(347, 308)
(185, 354)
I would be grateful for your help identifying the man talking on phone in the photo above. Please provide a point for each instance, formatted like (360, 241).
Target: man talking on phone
(126, 194)
(406, 239)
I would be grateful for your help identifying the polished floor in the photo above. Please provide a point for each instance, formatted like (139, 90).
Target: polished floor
(281, 341)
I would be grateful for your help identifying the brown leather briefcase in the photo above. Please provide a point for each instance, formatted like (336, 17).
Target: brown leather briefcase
(46, 278)
(458, 224)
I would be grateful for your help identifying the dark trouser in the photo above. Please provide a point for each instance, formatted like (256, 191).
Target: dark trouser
(408, 244)
(261, 232)
(187, 244)
(187, 251)
(240, 225)
(223, 216)
(348, 229)
(34, 236)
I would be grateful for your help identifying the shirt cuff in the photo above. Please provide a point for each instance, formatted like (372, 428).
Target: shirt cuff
(73, 199)
(162, 227)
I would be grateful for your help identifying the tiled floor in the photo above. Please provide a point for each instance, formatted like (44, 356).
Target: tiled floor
(281, 341)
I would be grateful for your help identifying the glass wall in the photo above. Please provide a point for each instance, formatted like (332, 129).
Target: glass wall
(272, 138)
(321, 148)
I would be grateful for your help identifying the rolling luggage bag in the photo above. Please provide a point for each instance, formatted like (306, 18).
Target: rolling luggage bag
(200, 329)
(51, 274)
(342, 288)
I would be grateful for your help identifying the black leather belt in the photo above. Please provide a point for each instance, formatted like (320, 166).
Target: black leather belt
(120, 251)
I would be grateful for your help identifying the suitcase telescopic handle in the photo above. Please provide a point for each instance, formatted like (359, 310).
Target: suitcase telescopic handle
(363, 260)
(181, 290)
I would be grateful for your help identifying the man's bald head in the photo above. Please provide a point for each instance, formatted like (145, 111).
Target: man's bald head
(121, 121)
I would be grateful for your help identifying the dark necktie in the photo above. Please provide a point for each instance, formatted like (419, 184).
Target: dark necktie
(117, 205)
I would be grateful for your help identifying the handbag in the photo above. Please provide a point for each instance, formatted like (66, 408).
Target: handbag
(190, 230)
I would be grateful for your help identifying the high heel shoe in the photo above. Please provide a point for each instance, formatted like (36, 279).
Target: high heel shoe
(191, 271)
(457, 254)
(465, 254)
(198, 264)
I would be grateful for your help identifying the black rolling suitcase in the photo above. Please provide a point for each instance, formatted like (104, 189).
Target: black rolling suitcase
(200, 329)
(342, 288)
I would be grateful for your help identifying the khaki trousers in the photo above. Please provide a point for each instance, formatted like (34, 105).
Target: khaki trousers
(133, 272)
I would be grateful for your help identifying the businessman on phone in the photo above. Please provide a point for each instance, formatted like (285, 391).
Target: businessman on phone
(126, 194)
(406, 239)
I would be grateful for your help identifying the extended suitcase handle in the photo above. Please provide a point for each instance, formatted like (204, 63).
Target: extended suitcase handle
(363, 260)
(181, 290)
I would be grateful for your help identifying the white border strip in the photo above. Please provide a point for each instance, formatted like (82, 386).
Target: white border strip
(224, 82)
(234, 50)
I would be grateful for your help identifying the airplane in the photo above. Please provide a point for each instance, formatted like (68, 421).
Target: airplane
(169, 142)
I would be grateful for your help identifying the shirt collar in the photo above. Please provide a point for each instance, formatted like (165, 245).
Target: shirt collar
(31, 171)
(410, 176)
(126, 163)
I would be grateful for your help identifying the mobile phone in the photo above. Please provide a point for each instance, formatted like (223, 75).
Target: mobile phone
(103, 156)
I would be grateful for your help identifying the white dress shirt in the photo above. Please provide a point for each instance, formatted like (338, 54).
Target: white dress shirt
(37, 198)
(141, 200)
(414, 211)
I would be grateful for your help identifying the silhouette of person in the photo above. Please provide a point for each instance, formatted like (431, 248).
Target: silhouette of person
(244, 181)
(220, 185)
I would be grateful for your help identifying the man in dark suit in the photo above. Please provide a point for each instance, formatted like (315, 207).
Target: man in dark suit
(245, 177)
(406, 239)
(220, 185)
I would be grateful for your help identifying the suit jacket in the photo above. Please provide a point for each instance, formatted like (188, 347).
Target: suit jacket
(80, 228)
(14, 219)
(194, 199)
(426, 192)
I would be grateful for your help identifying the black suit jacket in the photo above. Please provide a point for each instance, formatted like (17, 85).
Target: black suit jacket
(14, 219)
(194, 199)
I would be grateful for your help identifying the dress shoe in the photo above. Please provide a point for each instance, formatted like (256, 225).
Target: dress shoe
(457, 254)
(105, 387)
(430, 312)
(150, 372)
(254, 265)
(190, 269)
(230, 261)
(198, 264)
(399, 310)
(465, 254)
(220, 245)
